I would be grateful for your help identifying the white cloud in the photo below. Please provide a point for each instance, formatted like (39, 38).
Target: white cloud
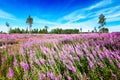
(87, 13)
(74, 15)
(100, 4)
(113, 19)
(111, 13)
(87, 25)
(42, 21)
(114, 28)
(4, 28)
(6, 15)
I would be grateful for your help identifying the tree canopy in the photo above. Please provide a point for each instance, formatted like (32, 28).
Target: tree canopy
(30, 22)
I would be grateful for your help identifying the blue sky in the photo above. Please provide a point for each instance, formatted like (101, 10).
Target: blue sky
(60, 13)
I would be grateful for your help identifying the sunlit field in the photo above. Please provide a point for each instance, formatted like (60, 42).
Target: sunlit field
(92, 56)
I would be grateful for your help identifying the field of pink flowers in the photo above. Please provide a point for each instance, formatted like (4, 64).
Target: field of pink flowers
(60, 57)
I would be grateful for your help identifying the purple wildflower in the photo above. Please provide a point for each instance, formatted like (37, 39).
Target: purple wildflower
(50, 75)
(100, 64)
(114, 76)
(42, 61)
(24, 65)
(51, 61)
(91, 56)
(0, 72)
(15, 62)
(72, 68)
(37, 62)
(32, 55)
(59, 77)
(10, 73)
(91, 64)
(69, 78)
(119, 65)
(42, 76)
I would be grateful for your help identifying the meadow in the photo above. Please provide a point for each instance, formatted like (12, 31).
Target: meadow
(94, 56)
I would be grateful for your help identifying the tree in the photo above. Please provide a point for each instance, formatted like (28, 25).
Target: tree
(81, 30)
(35, 31)
(64, 31)
(29, 21)
(46, 28)
(104, 30)
(7, 24)
(88, 31)
(102, 21)
(92, 31)
(95, 30)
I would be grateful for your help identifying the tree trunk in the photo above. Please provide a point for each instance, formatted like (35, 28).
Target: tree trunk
(30, 28)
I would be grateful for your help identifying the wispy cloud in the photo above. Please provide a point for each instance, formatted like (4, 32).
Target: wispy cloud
(87, 25)
(91, 16)
(6, 15)
(74, 16)
(86, 13)
(100, 4)
(42, 21)
(112, 13)
(3, 28)
(114, 28)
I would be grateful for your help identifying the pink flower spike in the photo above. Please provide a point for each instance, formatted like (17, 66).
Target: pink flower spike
(69, 78)
(91, 64)
(10, 73)
(119, 65)
(24, 65)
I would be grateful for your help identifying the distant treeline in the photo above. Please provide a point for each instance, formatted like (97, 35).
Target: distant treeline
(45, 31)
(64, 31)
(29, 21)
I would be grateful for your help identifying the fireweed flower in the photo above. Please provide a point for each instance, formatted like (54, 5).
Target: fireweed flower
(3, 60)
(10, 73)
(42, 61)
(15, 62)
(50, 75)
(69, 78)
(22, 52)
(37, 62)
(59, 77)
(114, 76)
(51, 61)
(31, 63)
(3, 47)
(0, 72)
(100, 55)
(91, 56)
(100, 64)
(42, 76)
(32, 55)
(72, 68)
(79, 53)
(24, 65)
(91, 64)
(71, 58)
(76, 58)
(119, 65)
